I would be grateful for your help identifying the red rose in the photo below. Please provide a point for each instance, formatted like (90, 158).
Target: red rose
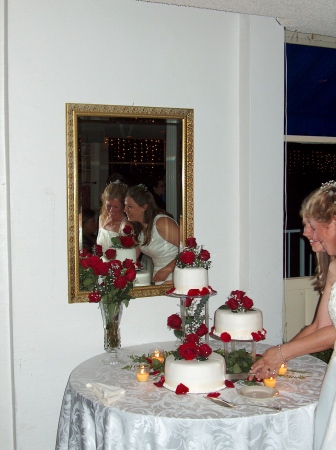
(238, 294)
(160, 383)
(120, 283)
(187, 257)
(130, 274)
(174, 321)
(232, 304)
(110, 253)
(191, 242)
(83, 253)
(94, 297)
(94, 261)
(204, 350)
(256, 337)
(84, 263)
(116, 271)
(128, 263)
(127, 241)
(192, 337)
(225, 337)
(188, 351)
(116, 263)
(202, 330)
(127, 229)
(229, 384)
(102, 269)
(181, 389)
(188, 301)
(204, 291)
(193, 292)
(212, 290)
(213, 394)
(247, 302)
(97, 249)
(204, 255)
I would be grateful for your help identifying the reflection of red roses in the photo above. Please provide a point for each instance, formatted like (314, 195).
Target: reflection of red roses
(127, 229)
(110, 253)
(181, 389)
(191, 242)
(225, 337)
(187, 257)
(204, 350)
(204, 255)
(98, 249)
(127, 241)
(247, 302)
(120, 282)
(188, 351)
(202, 330)
(127, 263)
(102, 268)
(94, 297)
(232, 303)
(174, 321)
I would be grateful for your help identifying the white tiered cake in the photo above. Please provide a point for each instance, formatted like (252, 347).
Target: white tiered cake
(189, 278)
(240, 325)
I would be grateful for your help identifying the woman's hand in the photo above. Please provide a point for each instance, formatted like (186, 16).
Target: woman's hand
(162, 274)
(268, 365)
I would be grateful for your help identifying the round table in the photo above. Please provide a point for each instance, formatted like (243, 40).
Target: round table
(148, 417)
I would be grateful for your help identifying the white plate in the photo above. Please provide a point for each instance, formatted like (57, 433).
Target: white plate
(258, 392)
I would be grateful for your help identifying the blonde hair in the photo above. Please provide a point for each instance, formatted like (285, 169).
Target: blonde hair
(113, 190)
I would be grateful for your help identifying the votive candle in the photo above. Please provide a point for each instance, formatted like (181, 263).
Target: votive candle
(270, 382)
(142, 372)
(283, 369)
(157, 353)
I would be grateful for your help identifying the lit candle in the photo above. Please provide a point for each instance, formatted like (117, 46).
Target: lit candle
(270, 382)
(283, 369)
(142, 373)
(157, 353)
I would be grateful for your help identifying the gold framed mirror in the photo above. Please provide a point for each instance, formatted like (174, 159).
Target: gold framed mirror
(143, 139)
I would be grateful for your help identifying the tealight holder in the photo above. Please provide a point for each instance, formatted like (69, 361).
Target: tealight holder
(156, 353)
(283, 369)
(142, 371)
(270, 382)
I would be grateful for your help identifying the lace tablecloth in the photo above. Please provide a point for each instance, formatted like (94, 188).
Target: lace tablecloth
(147, 417)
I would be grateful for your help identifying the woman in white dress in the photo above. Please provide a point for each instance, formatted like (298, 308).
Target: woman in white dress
(157, 233)
(112, 217)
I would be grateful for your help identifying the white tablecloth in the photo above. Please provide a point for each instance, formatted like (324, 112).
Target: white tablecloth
(147, 417)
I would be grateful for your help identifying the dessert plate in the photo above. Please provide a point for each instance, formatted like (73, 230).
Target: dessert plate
(258, 392)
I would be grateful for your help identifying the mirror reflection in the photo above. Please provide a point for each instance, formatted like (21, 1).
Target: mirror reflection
(129, 146)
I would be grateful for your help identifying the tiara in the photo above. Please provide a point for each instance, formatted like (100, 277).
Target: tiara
(116, 182)
(328, 184)
(142, 186)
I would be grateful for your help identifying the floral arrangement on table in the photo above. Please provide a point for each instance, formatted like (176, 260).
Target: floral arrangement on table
(193, 255)
(239, 302)
(125, 239)
(195, 330)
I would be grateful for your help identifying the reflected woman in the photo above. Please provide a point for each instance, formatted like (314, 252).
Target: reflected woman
(157, 233)
(112, 213)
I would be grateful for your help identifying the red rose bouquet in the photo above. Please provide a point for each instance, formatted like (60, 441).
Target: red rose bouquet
(193, 255)
(110, 282)
(239, 301)
(125, 239)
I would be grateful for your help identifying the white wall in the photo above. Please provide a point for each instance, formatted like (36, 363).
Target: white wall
(229, 69)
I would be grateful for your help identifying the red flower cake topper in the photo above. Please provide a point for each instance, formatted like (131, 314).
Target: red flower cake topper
(239, 301)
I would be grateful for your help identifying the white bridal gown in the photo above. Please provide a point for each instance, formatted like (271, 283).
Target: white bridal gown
(325, 421)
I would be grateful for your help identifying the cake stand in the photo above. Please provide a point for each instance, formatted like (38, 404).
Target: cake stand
(201, 308)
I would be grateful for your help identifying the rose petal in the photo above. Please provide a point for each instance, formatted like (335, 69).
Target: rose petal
(181, 389)
(213, 394)
(160, 383)
(229, 384)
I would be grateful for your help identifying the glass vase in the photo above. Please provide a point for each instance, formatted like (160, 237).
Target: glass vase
(111, 314)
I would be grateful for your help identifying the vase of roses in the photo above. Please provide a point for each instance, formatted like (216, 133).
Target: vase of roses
(110, 282)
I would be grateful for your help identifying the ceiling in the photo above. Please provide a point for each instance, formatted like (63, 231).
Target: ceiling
(304, 16)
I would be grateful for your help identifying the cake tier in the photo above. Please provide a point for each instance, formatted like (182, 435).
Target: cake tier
(239, 325)
(200, 377)
(142, 278)
(126, 253)
(189, 278)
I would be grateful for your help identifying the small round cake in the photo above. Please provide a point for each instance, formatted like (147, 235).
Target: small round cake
(189, 278)
(239, 325)
(126, 253)
(143, 278)
(200, 377)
